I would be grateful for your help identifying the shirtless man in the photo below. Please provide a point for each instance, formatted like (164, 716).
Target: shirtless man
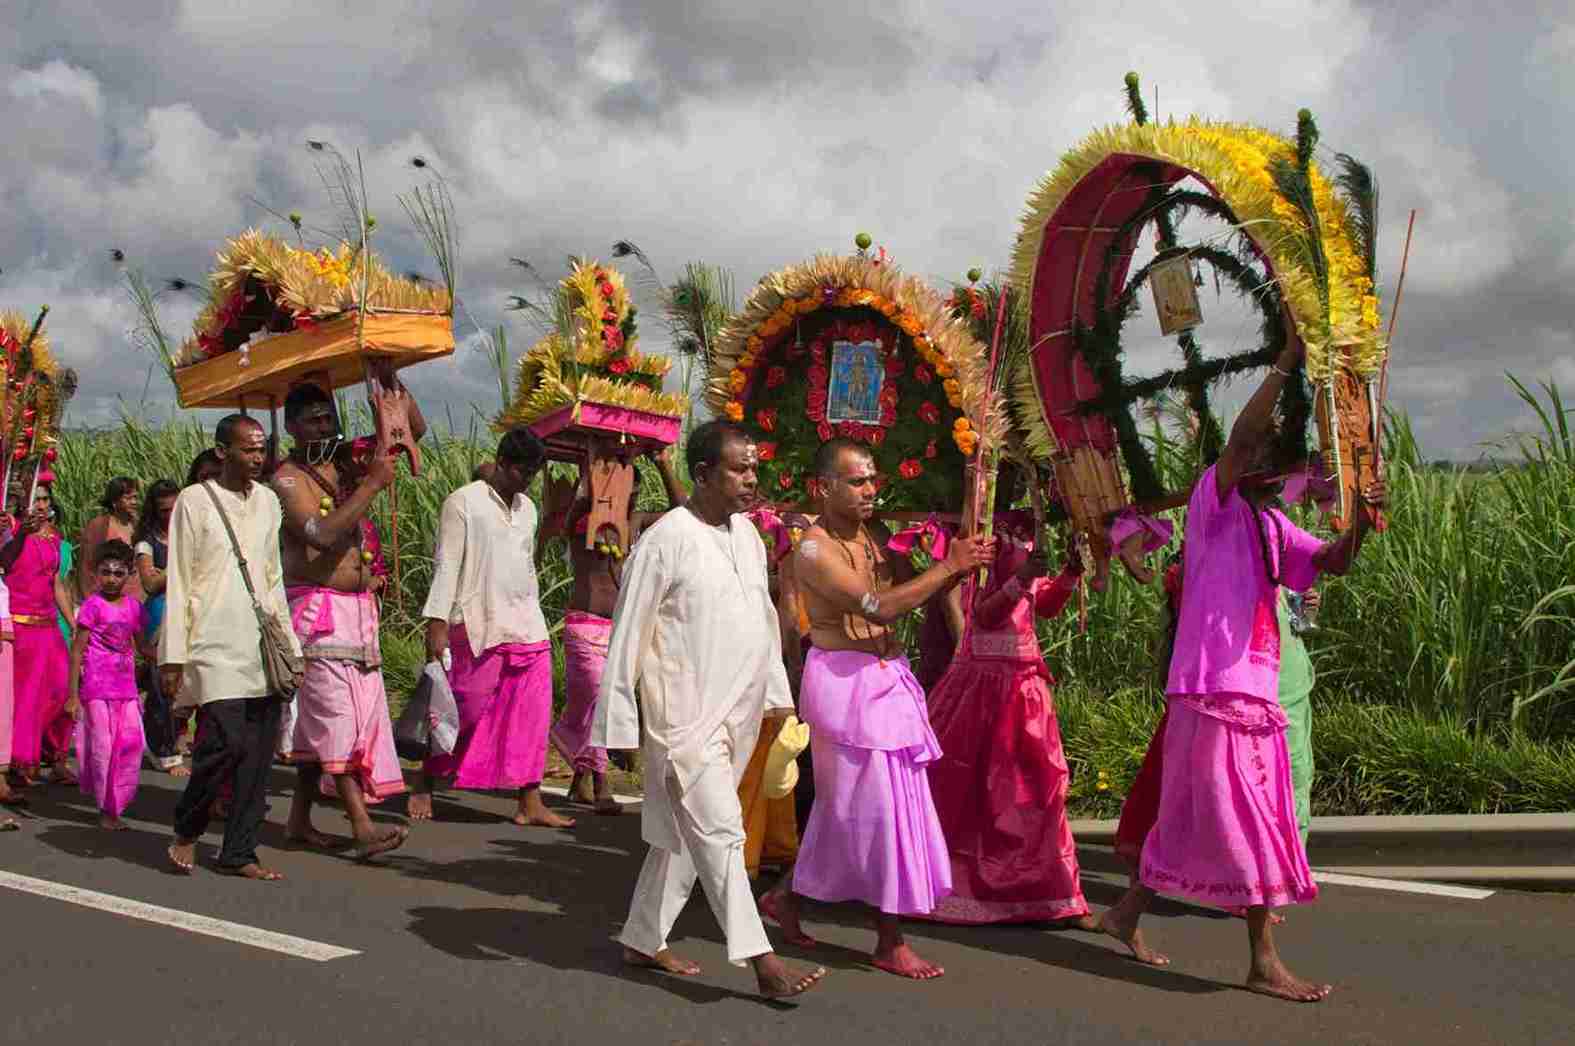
(586, 628)
(867, 716)
(342, 726)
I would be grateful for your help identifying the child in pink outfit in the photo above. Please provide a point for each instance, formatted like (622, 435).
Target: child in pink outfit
(103, 695)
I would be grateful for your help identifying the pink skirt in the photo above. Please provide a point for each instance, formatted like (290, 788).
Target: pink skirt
(7, 698)
(1000, 791)
(505, 703)
(39, 688)
(585, 639)
(1226, 833)
(342, 719)
(873, 834)
(109, 752)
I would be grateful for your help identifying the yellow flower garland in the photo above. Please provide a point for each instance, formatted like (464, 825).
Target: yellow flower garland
(1234, 159)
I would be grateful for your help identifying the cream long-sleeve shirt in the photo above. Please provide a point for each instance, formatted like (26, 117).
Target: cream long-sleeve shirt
(484, 569)
(696, 631)
(209, 624)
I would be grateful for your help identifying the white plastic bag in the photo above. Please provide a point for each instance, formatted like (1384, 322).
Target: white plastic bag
(443, 712)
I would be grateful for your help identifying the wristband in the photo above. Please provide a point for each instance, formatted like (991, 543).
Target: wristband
(1282, 373)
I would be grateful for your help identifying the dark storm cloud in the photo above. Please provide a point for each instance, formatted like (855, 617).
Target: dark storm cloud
(752, 135)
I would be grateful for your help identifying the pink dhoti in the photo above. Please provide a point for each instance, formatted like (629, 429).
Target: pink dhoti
(505, 704)
(584, 656)
(873, 834)
(109, 752)
(342, 719)
(1226, 832)
(7, 698)
(39, 688)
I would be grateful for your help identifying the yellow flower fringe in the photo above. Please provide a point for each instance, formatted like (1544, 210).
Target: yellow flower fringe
(941, 340)
(17, 325)
(547, 381)
(1234, 159)
(319, 284)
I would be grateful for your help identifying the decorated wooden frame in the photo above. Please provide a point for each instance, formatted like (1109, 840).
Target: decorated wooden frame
(850, 346)
(277, 313)
(592, 397)
(1306, 254)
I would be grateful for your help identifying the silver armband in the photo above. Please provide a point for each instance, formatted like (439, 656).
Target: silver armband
(870, 604)
(311, 529)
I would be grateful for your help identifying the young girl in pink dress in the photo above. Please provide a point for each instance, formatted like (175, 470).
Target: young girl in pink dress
(103, 699)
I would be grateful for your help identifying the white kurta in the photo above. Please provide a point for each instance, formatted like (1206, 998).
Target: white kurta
(209, 624)
(695, 630)
(484, 569)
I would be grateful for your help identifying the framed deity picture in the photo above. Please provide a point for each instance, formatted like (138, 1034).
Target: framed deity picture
(1175, 297)
(856, 378)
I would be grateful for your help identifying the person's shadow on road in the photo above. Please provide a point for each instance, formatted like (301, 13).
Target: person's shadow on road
(575, 939)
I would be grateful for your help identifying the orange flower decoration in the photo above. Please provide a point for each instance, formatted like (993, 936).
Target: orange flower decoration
(734, 410)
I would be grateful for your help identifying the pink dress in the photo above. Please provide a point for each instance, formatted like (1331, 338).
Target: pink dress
(1226, 831)
(40, 660)
(109, 735)
(1000, 788)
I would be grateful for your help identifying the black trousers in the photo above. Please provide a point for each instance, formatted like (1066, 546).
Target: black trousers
(235, 736)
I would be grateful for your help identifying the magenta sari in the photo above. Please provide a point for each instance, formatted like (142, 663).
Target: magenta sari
(40, 660)
(1001, 786)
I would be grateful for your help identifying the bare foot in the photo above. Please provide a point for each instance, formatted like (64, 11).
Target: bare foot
(253, 871)
(309, 836)
(180, 770)
(781, 907)
(11, 797)
(62, 775)
(1089, 923)
(113, 823)
(392, 839)
(418, 807)
(581, 790)
(183, 855)
(663, 960)
(534, 812)
(905, 962)
(1118, 923)
(780, 981)
(607, 806)
(1275, 980)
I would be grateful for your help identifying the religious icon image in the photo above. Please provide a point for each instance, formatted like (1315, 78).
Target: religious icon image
(856, 378)
(1175, 297)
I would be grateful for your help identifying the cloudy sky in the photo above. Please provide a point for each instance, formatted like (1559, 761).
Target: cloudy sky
(753, 135)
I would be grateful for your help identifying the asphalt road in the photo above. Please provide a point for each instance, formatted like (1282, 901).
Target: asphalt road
(480, 932)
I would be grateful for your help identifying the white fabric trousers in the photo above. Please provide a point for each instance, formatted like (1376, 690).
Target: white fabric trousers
(711, 849)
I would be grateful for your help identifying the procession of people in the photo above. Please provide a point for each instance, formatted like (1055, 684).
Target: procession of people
(948, 806)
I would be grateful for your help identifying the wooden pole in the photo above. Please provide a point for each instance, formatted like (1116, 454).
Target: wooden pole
(1377, 407)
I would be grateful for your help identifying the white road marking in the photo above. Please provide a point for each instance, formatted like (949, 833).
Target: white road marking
(1467, 893)
(285, 944)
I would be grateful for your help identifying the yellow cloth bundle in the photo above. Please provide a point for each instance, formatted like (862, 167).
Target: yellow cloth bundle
(781, 765)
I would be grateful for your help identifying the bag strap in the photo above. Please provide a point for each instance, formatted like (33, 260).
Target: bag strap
(235, 544)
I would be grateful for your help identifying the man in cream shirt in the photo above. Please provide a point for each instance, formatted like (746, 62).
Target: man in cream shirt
(210, 646)
(485, 626)
(696, 631)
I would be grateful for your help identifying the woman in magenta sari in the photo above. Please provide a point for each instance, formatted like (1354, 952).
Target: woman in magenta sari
(31, 561)
(1000, 788)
